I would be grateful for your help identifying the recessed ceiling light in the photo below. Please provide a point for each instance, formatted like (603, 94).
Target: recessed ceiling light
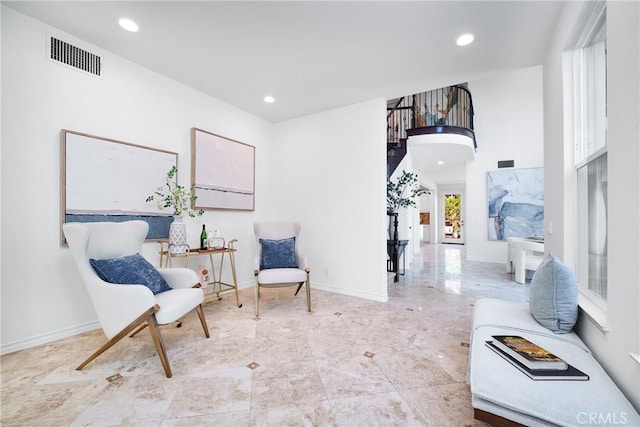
(269, 99)
(128, 25)
(465, 39)
(440, 162)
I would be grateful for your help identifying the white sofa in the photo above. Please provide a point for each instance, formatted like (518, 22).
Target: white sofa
(502, 395)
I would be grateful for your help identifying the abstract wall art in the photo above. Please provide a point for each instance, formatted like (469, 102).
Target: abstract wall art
(222, 172)
(107, 180)
(516, 203)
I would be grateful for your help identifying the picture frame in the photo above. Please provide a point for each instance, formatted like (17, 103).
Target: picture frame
(515, 200)
(103, 179)
(222, 172)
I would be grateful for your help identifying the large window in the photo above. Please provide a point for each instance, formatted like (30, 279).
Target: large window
(592, 227)
(589, 51)
(590, 85)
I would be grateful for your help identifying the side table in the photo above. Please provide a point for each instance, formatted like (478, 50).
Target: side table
(219, 287)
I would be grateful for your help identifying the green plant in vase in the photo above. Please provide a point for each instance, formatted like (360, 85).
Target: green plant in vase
(402, 191)
(172, 195)
(176, 197)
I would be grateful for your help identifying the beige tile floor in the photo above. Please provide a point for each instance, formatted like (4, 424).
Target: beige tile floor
(351, 362)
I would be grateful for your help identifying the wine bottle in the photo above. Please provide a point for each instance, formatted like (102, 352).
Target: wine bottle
(203, 238)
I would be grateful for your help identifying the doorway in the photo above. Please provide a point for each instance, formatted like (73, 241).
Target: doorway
(453, 219)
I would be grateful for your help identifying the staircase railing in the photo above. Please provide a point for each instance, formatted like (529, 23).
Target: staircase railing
(398, 120)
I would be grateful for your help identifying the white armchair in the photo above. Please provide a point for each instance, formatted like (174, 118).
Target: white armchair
(523, 254)
(271, 271)
(125, 308)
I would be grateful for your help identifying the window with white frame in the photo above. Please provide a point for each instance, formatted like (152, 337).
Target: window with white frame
(589, 53)
(592, 226)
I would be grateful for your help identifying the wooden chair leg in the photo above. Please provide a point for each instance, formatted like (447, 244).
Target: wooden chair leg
(298, 290)
(137, 331)
(123, 333)
(157, 340)
(203, 320)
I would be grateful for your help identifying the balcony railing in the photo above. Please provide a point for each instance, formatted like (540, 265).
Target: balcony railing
(445, 110)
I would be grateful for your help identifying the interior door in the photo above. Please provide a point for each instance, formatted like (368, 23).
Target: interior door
(453, 218)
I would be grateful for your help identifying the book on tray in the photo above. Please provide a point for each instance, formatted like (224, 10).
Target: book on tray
(570, 373)
(529, 354)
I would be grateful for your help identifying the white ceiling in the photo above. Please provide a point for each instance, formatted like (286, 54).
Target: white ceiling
(311, 56)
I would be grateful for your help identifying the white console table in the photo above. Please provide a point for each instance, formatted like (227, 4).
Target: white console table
(524, 253)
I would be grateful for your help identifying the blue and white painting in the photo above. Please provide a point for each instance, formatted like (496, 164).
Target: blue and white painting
(516, 203)
(109, 180)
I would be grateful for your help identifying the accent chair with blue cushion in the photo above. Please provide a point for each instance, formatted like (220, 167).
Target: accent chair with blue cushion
(278, 262)
(127, 292)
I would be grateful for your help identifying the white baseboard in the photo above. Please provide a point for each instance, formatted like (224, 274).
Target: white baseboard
(335, 290)
(91, 326)
(48, 337)
(245, 285)
(350, 292)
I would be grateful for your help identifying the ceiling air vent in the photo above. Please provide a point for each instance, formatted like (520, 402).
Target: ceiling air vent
(75, 57)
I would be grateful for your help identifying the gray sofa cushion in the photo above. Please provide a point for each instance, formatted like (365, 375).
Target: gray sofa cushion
(553, 297)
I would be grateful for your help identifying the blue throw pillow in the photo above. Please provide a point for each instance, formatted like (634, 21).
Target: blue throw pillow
(553, 297)
(130, 270)
(278, 253)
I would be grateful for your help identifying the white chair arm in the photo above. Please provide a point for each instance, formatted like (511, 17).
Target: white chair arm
(179, 278)
(118, 305)
(302, 261)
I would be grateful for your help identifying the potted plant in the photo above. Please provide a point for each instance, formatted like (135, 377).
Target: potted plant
(172, 195)
(400, 194)
(176, 197)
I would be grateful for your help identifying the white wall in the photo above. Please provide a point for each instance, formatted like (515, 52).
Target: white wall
(508, 126)
(559, 186)
(623, 139)
(323, 168)
(43, 297)
(428, 204)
